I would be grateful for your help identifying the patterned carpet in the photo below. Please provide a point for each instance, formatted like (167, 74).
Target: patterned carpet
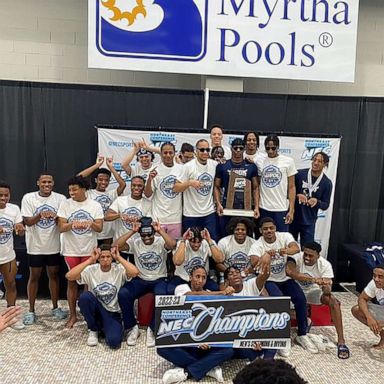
(48, 353)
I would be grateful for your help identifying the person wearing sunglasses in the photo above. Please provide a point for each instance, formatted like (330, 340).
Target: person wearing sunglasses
(277, 181)
(198, 206)
(150, 255)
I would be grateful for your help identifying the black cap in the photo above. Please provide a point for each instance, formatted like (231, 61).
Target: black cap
(146, 225)
(237, 141)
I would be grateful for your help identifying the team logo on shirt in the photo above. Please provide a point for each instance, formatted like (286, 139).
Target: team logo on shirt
(166, 187)
(381, 301)
(271, 176)
(150, 261)
(7, 226)
(196, 261)
(132, 215)
(80, 216)
(206, 181)
(45, 222)
(239, 260)
(105, 292)
(306, 284)
(105, 201)
(277, 264)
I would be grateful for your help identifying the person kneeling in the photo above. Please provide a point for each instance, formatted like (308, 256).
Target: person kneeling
(99, 305)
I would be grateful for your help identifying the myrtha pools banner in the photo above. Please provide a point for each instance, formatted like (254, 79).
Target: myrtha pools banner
(223, 321)
(289, 39)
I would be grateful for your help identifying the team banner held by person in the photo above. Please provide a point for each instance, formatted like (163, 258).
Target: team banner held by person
(117, 143)
(301, 39)
(237, 322)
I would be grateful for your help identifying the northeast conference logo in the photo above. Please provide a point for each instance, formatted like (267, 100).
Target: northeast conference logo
(206, 182)
(239, 260)
(150, 261)
(45, 222)
(105, 292)
(166, 187)
(132, 215)
(105, 201)
(314, 146)
(157, 29)
(7, 226)
(271, 176)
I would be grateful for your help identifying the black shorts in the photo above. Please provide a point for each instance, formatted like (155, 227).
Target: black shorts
(39, 261)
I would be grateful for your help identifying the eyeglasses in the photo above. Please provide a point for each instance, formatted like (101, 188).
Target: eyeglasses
(270, 148)
(238, 148)
(204, 149)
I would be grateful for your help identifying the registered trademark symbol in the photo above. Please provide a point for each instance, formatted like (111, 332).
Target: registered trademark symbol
(326, 39)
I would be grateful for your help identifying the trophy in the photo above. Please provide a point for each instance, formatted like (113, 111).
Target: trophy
(239, 197)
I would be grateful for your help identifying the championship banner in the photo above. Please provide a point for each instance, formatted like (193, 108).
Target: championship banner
(286, 39)
(222, 321)
(117, 143)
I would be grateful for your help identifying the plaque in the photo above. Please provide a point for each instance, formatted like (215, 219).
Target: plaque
(239, 196)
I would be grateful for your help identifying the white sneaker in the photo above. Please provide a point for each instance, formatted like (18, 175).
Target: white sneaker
(133, 335)
(216, 373)
(284, 352)
(93, 338)
(150, 338)
(173, 376)
(317, 340)
(306, 343)
(18, 326)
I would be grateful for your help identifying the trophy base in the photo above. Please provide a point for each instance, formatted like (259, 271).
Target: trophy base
(237, 212)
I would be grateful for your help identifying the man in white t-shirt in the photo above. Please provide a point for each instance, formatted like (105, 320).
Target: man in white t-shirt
(195, 248)
(272, 252)
(277, 181)
(369, 313)
(129, 209)
(101, 194)
(39, 211)
(99, 305)
(198, 206)
(166, 203)
(10, 221)
(203, 360)
(315, 274)
(150, 255)
(80, 219)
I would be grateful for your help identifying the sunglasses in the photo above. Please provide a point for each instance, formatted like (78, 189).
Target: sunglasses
(238, 148)
(144, 235)
(204, 149)
(270, 148)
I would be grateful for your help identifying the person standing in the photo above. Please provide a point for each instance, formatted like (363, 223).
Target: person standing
(216, 136)
(39, 211)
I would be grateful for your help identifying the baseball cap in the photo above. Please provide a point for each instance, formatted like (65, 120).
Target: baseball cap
(237, 141)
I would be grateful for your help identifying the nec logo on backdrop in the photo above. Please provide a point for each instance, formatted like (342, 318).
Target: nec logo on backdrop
(157, 29)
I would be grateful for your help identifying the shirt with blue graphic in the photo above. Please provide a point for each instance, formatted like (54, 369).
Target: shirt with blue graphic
(167, 204)
(199, 202)
(105, 199)
(79, 242)
(278, 262)
(274, 173)
(322, 268)
(149, 259)
(105, 285)
(372, 291)
(43, 238)
(132, 209)
(9, 216)
(236, 254)
(193, 259)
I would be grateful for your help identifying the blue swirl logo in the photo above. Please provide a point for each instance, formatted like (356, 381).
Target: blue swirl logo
(166, 187)
(7, 226)
(80, 216)
(271, 176)
(206, 181)
(105, 201)
(150, 261)
(105, 292)
(45, 222)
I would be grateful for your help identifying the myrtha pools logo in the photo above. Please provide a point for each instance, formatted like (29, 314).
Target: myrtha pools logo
(158, 29)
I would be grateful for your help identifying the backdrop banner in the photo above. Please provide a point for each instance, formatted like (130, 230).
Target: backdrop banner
(303, 39)
(224, 321)
(117, 143)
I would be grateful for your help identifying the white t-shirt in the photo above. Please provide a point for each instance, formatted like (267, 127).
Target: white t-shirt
(249, 288)
(257, 158)
(105, 199)
(274, 173)
(192, 259)
(322, 268)
(227, 152)
(138, 170)
(134, 209)
(199, 202)
(166, 204)
(9, 216)
(278, 262)
(79, 242)
(372, 291)
(236, 254)
(182, 289)
(105, 285)
(149, 259)
(43, 238)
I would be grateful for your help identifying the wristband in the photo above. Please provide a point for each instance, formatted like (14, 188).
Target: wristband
(212, 245)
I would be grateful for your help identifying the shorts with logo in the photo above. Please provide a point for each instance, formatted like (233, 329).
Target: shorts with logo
(313, 295)
(38, 261)
(73, 261)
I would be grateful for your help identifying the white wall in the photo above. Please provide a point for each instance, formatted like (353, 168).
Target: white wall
(46, 40)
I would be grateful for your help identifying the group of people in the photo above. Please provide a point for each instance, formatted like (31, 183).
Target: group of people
(169, 235)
